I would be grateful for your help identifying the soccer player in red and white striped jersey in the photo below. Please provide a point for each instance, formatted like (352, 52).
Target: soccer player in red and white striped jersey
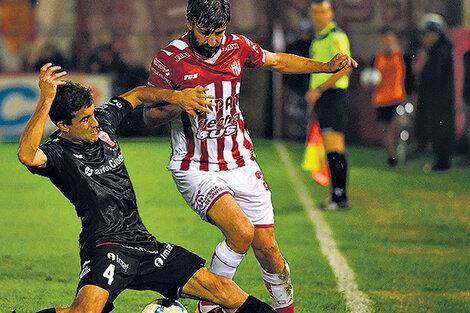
(213, 162)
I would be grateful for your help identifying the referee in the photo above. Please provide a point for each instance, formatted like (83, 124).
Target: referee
(328, 98)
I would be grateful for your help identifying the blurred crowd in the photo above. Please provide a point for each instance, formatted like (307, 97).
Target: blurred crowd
(428, 80)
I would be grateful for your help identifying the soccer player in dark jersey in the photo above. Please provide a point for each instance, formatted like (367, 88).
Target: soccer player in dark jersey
(213, 162)
(84, 161)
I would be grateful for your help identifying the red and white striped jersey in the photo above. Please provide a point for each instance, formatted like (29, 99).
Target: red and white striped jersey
(219, 140)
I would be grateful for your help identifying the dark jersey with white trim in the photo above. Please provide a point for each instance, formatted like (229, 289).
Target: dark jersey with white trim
(95, 180)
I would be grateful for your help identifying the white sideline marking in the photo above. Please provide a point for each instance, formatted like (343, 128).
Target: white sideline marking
(356, 300)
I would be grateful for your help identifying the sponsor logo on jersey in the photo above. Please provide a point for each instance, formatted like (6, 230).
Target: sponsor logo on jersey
(112, 164)
(163, 255)
(161, 67)
(210, 128)
(191, 76)
(88, 171)
(85, 269)
(204, 200)
(236, 67)
(118, 260)
(217, 127)
(231, 46)
(159, 74)
(103, 136)
(181, 56)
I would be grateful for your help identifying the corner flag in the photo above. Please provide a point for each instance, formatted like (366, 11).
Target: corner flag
(314, 159)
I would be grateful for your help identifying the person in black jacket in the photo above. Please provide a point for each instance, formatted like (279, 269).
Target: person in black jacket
(435, 115)
(466, 93)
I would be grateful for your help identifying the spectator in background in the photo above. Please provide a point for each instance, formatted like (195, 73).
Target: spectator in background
(390, 92)
(328, 96)
(297, 84)
(51, 54)
(107, 60)
(17, 31)
(466, 93)
(434, 72)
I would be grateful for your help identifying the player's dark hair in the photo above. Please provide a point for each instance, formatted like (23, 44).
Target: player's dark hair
(211, 14)
(69, 99)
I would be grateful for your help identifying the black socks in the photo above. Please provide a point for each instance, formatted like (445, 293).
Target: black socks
(338, 170)
(253, 305)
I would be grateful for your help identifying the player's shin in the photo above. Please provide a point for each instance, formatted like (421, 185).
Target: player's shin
(224, 263)
(280, 288)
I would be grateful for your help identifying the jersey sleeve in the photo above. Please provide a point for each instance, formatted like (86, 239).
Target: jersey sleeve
(53, 163)
(256, 57)
(160, 74)
(111, 113)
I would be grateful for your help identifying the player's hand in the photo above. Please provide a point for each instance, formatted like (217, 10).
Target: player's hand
(49, 80)
(341, 61)
(192, 99)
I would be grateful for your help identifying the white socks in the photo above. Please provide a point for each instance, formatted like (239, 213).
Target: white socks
(280, 287)
(225, 261)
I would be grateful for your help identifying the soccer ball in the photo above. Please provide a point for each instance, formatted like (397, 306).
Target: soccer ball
(164, 306)
(370, 77)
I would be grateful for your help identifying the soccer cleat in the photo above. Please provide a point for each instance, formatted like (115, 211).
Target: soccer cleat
(208, 307)
(331, 205)
(392, 161)
(287, 309)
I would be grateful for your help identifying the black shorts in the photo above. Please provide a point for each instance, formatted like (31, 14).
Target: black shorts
(332, 110)
(161, 267)
(386, 114)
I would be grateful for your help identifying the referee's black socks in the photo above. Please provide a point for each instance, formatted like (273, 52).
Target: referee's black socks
(47, 311)
(338, 170)
(253, 305)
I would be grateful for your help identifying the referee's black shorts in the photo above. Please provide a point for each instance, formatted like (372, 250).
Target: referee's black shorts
(161, 267)
(331, 110)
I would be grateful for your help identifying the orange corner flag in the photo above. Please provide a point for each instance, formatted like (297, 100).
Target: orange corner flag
(314, 159)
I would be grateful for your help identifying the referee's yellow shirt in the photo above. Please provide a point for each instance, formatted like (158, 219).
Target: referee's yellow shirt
(328, 42)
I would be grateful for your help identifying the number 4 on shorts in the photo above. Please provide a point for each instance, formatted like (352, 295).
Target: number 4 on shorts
(109, 273)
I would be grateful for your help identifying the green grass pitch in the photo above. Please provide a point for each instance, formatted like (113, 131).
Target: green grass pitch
(407, 237)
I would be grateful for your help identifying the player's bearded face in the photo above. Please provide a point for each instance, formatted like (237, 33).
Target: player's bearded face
(206, 42)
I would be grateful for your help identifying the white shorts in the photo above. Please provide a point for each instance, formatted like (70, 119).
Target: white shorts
(246, 184)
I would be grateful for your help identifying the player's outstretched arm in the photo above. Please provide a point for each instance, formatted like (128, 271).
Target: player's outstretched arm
(293, 64)
(158, 115)
(29, 152)
(189, 99)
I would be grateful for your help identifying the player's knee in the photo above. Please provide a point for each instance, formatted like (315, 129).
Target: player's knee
(242, 237)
